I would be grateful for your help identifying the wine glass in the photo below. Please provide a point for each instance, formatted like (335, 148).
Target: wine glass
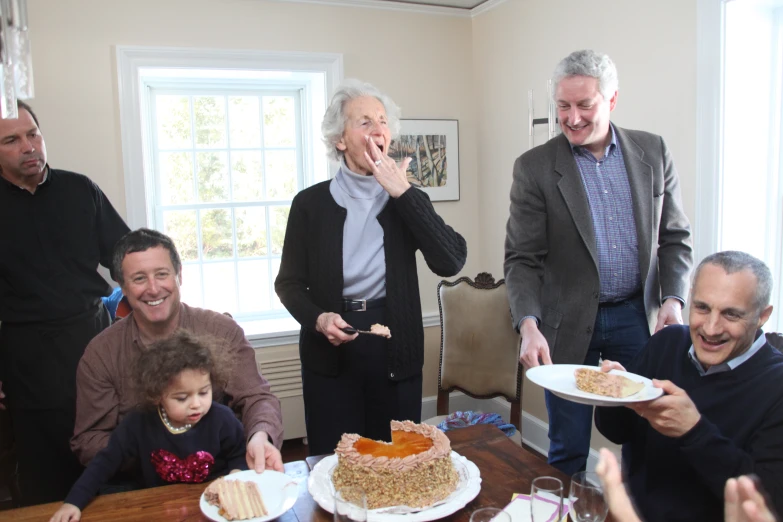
(546, 499)
(350, 505)
(490, 514)
(586, 498)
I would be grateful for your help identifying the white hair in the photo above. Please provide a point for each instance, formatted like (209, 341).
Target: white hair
(592, 64)
(333, 126)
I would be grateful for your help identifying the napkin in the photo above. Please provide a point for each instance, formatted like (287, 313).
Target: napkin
(519, 509)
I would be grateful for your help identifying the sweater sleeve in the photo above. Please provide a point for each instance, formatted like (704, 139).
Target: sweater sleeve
(716, 458)
(122, 445)
(444, 250)
(232, 443)
(251, 393)
(97, 404)
(292, 282)
(110, 227)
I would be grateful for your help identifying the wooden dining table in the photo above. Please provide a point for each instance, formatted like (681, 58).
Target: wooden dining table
(505, 468)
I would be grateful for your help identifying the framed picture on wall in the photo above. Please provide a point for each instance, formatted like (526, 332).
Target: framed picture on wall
(433, 146)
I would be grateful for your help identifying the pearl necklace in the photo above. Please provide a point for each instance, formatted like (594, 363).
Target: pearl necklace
(167, 423)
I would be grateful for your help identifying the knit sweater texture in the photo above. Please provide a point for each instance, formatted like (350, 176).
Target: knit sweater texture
(310, 281)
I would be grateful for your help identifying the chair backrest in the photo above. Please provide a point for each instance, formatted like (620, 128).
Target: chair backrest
(775, 340)
(479, 348)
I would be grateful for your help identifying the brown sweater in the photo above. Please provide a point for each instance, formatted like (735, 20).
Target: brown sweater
(105, 394)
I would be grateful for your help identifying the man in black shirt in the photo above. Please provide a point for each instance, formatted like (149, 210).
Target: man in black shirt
(55, 227)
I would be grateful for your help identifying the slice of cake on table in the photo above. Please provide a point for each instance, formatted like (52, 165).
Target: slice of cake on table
(414, 470)
(606, 384)
(236, 499)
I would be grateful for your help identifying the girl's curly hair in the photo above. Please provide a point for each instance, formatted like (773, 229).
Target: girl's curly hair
(159, 365)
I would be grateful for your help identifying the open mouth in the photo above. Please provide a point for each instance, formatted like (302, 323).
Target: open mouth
(155, 303)
(712, 344)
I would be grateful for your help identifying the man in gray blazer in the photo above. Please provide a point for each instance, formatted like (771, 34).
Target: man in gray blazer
(598, 249)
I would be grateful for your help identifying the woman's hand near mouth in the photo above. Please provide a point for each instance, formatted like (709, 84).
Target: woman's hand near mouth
(392, 177)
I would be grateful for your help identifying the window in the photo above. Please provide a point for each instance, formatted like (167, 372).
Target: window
(223, 151)
(740, 158)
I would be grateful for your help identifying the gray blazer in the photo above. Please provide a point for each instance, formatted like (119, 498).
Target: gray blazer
(551, 264)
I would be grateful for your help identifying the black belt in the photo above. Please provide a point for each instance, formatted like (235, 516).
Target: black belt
(609, 304)
(353, 305)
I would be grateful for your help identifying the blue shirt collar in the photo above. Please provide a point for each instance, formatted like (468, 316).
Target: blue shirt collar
(610, 149)
(732, 364)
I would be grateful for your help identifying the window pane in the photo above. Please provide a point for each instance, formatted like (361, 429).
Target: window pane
(180, 225)
(247, 175)
(212, 176)
(281, 174)
(173, 116)
(210, 114)
(216, 236)
(279, 121)
(254, 288)
(245, 122)
(276, 304)
(191, 285)
(176, 173)
(278, 218)
(220, 287)
(251, 232)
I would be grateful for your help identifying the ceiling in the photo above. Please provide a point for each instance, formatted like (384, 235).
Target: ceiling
(461, 4)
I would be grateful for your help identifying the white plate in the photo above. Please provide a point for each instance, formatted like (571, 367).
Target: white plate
(560, 380)
(278, 490)
(321, 488)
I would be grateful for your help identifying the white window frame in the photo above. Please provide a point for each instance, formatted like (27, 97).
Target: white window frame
(710, 102)
(136, 75)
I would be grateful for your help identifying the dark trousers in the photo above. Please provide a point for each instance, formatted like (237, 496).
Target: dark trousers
(39, 363)
(360, 398)
(620, 332)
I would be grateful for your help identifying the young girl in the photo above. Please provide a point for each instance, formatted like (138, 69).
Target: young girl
(180, 435)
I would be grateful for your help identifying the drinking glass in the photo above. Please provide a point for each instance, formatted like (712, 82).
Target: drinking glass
(546, 499)
(586, 498)
(490, 514)
(350, 505)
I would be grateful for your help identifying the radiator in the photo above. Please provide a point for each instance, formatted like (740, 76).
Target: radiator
(282, 368)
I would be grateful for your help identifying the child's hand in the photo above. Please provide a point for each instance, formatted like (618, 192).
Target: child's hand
(67, 513)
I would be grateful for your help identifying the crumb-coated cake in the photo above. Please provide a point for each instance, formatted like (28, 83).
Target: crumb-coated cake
(414, 470)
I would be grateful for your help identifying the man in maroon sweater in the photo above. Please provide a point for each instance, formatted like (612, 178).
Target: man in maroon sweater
(149, 270)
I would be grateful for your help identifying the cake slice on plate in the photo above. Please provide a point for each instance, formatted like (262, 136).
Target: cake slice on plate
(236, 499)
(606, 384)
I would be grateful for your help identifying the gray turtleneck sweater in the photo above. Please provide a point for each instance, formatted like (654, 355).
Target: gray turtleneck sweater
(364, 260)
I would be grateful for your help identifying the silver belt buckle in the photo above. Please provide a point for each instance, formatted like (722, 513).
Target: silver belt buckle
(364, 306)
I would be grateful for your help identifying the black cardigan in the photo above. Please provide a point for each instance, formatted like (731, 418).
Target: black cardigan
(310, 281)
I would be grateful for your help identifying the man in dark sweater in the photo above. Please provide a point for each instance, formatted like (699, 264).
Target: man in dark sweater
(55, 228)
(721, 414)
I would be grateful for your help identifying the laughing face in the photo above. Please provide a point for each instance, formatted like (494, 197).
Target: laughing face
(584, 113)
(152, 287)
(723, 317)
(364, 116)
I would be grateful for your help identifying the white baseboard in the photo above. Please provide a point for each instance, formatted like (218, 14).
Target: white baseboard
(534, 430)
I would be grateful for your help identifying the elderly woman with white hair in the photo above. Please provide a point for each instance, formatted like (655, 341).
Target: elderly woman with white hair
(349, 262)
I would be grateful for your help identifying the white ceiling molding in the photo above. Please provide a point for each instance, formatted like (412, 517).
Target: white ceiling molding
(409, 6)
(483, 8)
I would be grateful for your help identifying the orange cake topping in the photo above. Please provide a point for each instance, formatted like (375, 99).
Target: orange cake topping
(404, 443)
(412, 444)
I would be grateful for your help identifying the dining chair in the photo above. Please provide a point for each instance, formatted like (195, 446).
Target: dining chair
(776, 340)
(479, 348)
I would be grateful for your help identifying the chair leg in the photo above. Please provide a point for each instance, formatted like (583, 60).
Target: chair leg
(443, 402)
(516, 416)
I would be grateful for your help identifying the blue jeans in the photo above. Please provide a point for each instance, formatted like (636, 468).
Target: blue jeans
(620, 332)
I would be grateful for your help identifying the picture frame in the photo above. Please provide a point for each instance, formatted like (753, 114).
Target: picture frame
(433, 146)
